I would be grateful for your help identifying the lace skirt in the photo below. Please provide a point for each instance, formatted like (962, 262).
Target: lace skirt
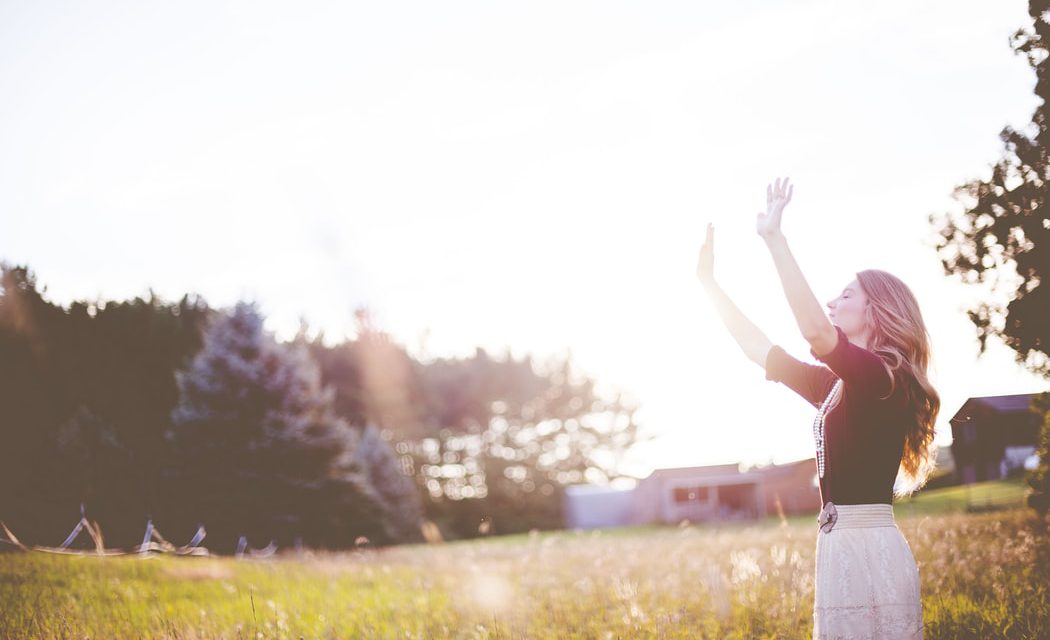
(867, 582)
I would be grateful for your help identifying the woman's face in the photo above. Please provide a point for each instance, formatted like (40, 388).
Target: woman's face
(847, 311)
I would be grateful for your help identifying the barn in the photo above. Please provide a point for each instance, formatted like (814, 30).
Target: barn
(697, 494)
(993, 436)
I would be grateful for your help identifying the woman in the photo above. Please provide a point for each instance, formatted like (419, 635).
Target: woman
(874, 425)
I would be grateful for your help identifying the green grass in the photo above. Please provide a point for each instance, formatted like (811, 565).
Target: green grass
(983, 576)
(984, 496)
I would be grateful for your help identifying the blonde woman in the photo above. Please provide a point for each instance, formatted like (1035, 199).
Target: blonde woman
(873, 429)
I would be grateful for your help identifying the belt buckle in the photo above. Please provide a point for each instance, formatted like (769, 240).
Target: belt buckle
(827, 518)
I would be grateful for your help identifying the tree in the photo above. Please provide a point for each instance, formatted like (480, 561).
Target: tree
(511, 437)
(484, 438)
(86, 393)
(400, 500)
(1038, 496)
(36, 399)
(375, 380)
(123, 357)
(260, 449)
(1003, 236)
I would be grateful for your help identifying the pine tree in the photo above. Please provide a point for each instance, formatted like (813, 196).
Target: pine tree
(260, 446)
(403, 512)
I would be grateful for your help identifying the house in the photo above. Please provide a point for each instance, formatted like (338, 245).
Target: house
(589, 506)
(993, 436)
(698, 494)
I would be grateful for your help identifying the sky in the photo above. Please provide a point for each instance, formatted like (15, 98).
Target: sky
(529, 178)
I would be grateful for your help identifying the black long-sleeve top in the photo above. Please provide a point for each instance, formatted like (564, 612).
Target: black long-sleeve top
(864, 434)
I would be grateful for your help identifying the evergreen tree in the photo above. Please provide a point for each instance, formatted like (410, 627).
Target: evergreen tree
(403, 514)
(260, 447)
(86, 392)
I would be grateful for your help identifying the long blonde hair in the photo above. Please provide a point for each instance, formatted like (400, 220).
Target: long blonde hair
(900, 338)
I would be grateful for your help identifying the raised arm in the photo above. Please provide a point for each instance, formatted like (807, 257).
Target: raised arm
(754, 343)
(814, 325)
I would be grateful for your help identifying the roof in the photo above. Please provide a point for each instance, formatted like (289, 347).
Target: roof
(721, 471)
(692, 472)
(1015, 403)
(594, 489)
(786, 468)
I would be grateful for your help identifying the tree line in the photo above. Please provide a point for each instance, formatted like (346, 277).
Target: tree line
(186, 415)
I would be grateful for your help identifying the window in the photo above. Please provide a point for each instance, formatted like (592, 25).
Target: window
(687, 495)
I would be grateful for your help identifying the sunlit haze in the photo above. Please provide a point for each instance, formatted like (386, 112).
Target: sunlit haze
(526, 176)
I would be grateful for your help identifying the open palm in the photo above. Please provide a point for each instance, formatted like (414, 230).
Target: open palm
(777, 197)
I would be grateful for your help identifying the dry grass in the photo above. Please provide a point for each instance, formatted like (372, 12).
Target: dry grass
(983, 576)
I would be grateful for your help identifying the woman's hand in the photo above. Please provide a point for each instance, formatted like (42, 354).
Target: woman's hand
(777, 197)
(705, 268)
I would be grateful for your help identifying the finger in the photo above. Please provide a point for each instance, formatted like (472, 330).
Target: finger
(776, 191)
(769, 193)
(710, 232)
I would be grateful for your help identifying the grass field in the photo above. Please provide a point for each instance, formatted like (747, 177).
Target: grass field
(984, 575)
(984, 496)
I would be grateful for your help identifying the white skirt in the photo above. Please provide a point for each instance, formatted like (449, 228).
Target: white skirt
(867, 582)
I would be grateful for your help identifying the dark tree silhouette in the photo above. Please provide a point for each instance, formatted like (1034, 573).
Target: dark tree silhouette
(274, 440)
(1003, 239)
(85, 393)
(1003, 236)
